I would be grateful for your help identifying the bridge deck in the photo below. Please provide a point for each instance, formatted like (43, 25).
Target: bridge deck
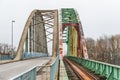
(10, 70)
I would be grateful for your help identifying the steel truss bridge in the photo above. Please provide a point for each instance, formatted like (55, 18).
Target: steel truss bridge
(55, 27)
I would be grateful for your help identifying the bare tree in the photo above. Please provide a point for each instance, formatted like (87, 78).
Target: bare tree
(6, 49)
(91, 47)
(106, 49)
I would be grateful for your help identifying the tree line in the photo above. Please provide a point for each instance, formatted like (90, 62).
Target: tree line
(105, 49)
(6, 49)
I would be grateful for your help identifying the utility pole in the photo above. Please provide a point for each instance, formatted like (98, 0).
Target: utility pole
(13, 21)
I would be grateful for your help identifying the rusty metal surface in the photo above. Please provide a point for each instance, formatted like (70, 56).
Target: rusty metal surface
(83, 74)
(70, 72)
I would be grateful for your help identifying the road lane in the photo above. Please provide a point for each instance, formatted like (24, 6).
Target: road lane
(10, 70)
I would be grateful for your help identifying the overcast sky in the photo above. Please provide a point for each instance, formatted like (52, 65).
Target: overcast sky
(98, 17)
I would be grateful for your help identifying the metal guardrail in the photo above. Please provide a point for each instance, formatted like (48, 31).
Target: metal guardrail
(54, 69)
(28, 55)
(27, 75)
(5, 57)
(25, 55)
(111, 72)
(49, 72)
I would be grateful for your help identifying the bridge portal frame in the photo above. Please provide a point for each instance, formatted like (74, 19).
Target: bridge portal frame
(50, 17)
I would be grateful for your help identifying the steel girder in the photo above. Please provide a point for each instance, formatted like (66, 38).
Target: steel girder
(40, 28)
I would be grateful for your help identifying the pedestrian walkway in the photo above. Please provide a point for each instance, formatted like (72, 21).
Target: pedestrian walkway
(63, 74)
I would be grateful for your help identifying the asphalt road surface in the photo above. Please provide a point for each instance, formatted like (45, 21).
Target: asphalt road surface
(10, 70)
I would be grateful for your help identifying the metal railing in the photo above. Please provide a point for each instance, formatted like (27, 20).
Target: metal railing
(45, 72)
(5, 57)
(111, 72)
(54, 69)
(27, 75)
(27, 55)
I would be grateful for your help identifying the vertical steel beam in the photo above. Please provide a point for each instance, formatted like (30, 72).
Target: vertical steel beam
(26, 43)
(55, 34)
(33, 33)
(30, 41)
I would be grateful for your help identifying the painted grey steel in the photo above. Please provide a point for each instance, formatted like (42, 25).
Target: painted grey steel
(36, 33)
